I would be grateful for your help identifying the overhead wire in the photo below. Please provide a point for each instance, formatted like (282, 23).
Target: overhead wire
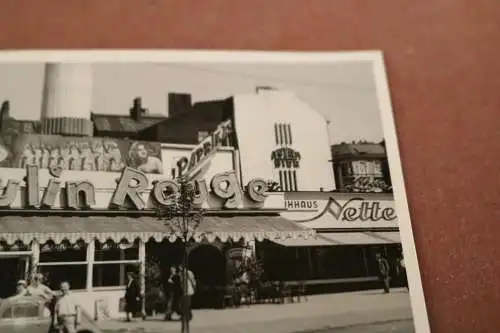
(295, 82)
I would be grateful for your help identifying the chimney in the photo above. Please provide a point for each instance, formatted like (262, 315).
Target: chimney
(137, 111)
(178, 103)
(5, 110)
(67, 99)
(4, 114)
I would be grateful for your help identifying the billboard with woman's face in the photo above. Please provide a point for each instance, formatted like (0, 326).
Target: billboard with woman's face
(79, 154)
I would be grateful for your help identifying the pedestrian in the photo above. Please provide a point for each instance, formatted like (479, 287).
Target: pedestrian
(402, 267)
(187, 294)
(66, 311)
(383, 272)
(241, 281)
(172, 293)
(132, 296)
(37, 288)
(21, 289)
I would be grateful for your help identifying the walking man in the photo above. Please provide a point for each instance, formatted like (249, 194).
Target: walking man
(132, 297)
(383, 272)
(187, 294)
(66, 312)
(172, 293)
(402, 268)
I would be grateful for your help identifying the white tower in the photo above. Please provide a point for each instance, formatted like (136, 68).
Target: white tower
(67, 99)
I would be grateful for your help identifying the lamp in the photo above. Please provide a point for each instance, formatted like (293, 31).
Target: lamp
(108, 244)
(48, 246)
(124, 244)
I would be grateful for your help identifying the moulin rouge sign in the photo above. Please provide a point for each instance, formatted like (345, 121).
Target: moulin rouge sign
(131, 184)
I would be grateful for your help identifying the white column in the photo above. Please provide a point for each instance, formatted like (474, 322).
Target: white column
(67, 99)
(251, 251)
(142, 272)
(27, 266)
(237, 165)
(90, 264)
(35, 256)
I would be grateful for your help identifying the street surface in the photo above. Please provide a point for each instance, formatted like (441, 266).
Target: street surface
(336, 311)
(405, 326)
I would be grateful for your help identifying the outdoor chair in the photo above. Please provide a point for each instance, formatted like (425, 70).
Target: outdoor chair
(252, 296)
(274, 292)
(245, 294)
(285, 292)
(229, 296)
(301, 291)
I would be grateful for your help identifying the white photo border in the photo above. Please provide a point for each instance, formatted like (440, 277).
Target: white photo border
(418, 306)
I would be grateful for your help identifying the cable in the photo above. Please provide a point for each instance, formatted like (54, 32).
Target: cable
(254, 77)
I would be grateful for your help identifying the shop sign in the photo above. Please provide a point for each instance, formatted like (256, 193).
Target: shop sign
(130, 186)
(191, 165)
(356, 210)
(301, 204)
(285, 158)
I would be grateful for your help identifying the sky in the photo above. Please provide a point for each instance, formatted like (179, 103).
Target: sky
(343, 92)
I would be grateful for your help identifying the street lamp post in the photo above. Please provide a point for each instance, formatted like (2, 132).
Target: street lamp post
(182, 217)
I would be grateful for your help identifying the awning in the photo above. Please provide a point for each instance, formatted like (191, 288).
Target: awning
(391, 236)
(117, 228)
(301, 242)
(359, 238)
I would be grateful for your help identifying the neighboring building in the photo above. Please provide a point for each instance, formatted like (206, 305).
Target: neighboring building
(361, 167)
(350, 229)
(189, 124)
(272, 137)
(119, 126)
(273, 140)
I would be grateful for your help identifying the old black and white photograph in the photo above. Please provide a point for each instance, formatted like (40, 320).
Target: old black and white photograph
(203, 192)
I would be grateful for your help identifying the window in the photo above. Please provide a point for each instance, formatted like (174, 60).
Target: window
(25, 310)
(64, 262)
(362, 176)
(21, 310)
(7, 313)
(112, 261)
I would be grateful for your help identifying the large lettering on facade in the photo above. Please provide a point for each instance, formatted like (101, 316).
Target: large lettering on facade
(358, 209)
(353, 210)
(191, 165)
(131, 186)
(285, 158)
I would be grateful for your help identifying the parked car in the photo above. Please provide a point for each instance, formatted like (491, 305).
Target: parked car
(31, 315)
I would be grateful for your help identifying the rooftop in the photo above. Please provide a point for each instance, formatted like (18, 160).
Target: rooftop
(124, 123)
(358, 150)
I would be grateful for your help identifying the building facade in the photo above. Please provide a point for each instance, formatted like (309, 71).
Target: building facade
(361, 167)
(79, 204)
(81, 208)
(342, 192)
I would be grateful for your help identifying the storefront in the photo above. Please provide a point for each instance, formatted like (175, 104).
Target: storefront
(351, 228)
(91, 226)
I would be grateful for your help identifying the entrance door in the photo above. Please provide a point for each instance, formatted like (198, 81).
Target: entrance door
(208, 265)
(13, 270)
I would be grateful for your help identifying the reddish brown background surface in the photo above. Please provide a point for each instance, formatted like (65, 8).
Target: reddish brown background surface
(444, 71)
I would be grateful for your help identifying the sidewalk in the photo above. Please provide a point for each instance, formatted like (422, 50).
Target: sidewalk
(334, 310)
